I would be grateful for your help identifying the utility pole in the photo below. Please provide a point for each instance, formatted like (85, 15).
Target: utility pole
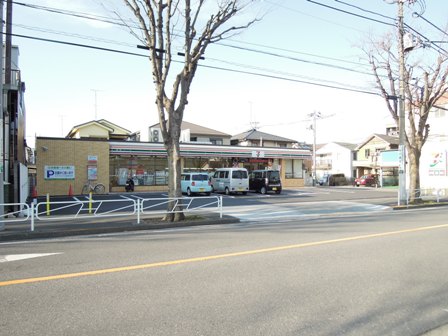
(402, 197)
(315, 115)
(2, 140)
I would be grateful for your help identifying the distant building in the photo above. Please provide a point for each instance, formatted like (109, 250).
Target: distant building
(101, 129)
(335, 158)
(192, 133)
(254, 138)
(368, 156)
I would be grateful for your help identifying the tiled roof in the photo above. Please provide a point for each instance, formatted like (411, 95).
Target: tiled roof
(347, 145)
(197, 129)
(387, 138)
(257, 135)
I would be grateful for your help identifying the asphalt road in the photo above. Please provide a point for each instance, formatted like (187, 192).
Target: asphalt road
(291, 203)
(383, 274)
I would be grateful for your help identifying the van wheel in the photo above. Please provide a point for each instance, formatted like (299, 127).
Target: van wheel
(263, 190)
(189, 192)
(244, 192)
(227, 191)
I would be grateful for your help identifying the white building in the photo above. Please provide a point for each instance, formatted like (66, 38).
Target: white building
(433, 162)
(335, 158)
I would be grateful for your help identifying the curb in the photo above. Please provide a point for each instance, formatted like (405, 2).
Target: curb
(61, 230)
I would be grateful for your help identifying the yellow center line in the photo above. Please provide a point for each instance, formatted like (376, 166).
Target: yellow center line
(212, 257)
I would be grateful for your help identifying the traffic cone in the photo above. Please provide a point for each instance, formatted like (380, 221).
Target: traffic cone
(70, 190)
(34, 192)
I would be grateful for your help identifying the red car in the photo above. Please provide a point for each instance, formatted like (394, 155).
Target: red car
(366, 180)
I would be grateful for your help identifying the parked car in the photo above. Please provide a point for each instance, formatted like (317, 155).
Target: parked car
(263, 181)
(366, 180)
(333, 180)
(194, 183)
(230, 180)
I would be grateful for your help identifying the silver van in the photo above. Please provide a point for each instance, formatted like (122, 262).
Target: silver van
(230, 180)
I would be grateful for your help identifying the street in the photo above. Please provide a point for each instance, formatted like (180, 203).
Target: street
(378, 274)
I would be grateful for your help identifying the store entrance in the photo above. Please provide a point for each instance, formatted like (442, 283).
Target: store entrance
(257, 164)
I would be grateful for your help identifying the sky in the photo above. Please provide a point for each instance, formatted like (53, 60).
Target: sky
(272, 76)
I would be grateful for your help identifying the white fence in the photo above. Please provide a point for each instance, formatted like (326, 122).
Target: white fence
(88, 209)
(433, 194)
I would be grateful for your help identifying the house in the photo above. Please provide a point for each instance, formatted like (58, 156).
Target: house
(102, 129)
(368, 155)
(335, 158)
(254, 137)
(192, 133)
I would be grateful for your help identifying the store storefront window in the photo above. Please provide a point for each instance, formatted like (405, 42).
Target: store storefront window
(293, 169)
(146, 171)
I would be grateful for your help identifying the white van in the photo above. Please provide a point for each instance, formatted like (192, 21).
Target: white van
(230, 180)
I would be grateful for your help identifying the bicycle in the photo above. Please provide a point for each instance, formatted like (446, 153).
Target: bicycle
(98, 188)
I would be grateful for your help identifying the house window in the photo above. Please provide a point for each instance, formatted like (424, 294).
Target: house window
(367, 152)
(216, 141)
(439, 113)
(195, 139)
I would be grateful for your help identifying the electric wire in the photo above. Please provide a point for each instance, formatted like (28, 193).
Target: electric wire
(105, 19)
(200, 65)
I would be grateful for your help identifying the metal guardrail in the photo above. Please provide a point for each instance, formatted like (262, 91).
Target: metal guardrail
(69, 210)
(184, 204)
(428, 194)
(21, 215)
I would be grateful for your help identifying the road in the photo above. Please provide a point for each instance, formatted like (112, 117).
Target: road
(253, 206)
(379, 274)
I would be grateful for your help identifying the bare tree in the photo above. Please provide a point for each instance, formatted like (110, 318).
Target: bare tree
(424, 84)
(202, 23)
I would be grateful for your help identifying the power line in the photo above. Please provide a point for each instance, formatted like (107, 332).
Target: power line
(107, 20)
(201, 65)
(351, 13)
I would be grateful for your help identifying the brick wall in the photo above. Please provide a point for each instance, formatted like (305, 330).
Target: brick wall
(70, 152)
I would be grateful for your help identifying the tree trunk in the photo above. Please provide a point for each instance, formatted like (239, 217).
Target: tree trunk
(414, 176)
(174, 174)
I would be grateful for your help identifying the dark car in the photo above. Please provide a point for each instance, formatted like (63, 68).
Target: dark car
(263, 181)
(333, 180)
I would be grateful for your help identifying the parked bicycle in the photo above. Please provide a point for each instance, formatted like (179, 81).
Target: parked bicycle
(98, 188)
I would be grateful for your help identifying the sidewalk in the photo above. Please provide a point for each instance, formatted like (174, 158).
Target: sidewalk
(16, 231)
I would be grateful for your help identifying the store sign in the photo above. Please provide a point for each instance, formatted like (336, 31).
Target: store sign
(59, 172)
(258, 154)
(438, 164)
(92, 159)
(92, 173)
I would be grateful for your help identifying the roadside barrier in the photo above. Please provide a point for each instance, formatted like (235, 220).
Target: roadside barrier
(124, 207)
(428, 195)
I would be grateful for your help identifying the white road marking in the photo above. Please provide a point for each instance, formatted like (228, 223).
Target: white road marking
(128, 198)
(15, 257)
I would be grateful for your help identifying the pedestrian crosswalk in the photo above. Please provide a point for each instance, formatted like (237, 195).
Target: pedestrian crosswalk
(269, 212)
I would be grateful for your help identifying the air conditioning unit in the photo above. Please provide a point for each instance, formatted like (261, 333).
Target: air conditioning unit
(155, 135)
